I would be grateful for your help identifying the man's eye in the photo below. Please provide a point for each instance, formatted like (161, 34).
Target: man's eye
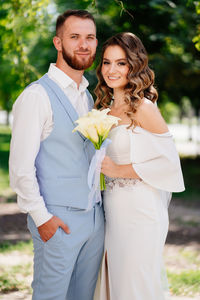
(90, 38)
(74, 37)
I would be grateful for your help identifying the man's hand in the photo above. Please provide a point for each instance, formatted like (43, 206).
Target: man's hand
(48, 229)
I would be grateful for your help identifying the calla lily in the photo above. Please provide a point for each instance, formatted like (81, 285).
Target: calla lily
(95, 126)
(92, 133)
(81, 130)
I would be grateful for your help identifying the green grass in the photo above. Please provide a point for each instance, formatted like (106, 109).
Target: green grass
(192, 257)
(5, 135)
(11, 278)
(191, 174)
(190, 223)
(25, 271)
(25, 247)
(185, 283)
(185, 279)
(8, 283)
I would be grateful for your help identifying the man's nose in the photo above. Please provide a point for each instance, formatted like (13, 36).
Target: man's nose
(83, 44)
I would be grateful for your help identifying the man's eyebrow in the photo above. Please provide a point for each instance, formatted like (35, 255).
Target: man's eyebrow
(90, 34)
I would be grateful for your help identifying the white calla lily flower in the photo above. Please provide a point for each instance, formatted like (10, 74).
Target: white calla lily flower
(95, 126)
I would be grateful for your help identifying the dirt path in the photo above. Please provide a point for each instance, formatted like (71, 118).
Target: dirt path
(24, 296)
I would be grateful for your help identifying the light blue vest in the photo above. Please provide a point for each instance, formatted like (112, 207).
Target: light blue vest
(63, 159)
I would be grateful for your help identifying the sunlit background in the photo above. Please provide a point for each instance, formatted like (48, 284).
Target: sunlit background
(170, 31)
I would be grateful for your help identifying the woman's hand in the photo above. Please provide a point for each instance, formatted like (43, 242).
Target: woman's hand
(109, 168)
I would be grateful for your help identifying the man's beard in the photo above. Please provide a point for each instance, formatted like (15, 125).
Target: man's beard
(76, 64)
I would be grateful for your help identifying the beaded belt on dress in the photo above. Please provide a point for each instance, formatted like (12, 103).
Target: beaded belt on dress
(120, 182)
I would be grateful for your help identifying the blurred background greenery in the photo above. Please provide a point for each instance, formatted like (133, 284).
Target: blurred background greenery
(170, 31)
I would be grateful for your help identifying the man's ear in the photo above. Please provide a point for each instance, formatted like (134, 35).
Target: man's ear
(57, 43)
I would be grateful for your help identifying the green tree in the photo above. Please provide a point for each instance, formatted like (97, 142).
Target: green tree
(22, 23)
(166, 28)
(196, 38)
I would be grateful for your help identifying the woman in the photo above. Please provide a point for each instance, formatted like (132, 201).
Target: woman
(142, 168)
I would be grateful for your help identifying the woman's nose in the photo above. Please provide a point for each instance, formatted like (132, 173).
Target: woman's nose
(112, 68)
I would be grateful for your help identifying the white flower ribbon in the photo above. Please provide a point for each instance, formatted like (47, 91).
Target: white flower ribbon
(94, 175)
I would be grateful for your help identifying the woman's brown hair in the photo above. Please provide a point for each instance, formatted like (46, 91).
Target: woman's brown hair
(140, 76)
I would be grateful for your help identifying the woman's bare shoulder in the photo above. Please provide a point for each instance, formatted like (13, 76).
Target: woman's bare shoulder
(150, 118)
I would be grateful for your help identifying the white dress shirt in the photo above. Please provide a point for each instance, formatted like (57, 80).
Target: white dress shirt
(32, 123)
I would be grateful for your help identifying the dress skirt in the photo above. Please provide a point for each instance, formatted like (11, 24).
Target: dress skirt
(136, 229)
(136, 215)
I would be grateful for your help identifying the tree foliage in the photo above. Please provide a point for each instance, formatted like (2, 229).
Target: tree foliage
(196, 38)
(166, 27)
(22, 22)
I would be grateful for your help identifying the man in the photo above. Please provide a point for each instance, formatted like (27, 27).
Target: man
(49, 166)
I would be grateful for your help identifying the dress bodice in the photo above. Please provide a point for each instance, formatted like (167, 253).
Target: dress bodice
(119, 149)
(120, 152)
(153, 156)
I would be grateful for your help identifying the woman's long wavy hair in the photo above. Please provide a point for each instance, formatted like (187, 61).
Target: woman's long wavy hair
(140, 76)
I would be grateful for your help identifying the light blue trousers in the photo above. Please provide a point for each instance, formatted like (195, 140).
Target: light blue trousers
(66, 267)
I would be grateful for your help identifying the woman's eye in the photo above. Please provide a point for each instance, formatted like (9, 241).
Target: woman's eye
(105, 63)
(121, 63)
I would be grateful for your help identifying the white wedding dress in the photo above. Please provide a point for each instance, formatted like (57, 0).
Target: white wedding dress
(136, 214)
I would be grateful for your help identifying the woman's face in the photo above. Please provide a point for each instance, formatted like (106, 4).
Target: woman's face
(115, 67)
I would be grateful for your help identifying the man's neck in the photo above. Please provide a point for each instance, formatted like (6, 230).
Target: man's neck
(75, 75)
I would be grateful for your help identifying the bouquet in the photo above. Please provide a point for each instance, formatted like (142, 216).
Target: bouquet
(95, 126)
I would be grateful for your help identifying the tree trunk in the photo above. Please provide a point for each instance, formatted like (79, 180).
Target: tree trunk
(7, 118)
(198, 132)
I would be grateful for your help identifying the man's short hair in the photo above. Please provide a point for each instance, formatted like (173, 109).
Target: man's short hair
(83, 14)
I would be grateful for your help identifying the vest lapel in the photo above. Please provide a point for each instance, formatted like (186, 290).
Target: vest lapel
(63, 99)
(90, 101)
(68, 107)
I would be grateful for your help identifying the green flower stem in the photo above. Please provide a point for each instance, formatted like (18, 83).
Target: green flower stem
(102, 182)
(102, 178)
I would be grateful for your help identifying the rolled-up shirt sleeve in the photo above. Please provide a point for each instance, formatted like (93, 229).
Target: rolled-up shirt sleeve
(32, 122)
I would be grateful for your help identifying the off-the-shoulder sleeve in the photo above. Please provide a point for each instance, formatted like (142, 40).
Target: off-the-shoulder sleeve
(155, 159)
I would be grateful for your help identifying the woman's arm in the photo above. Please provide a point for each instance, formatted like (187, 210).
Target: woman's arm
(111, 169)
(149, 117)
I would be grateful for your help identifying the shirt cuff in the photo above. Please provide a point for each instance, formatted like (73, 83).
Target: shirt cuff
(40, 216)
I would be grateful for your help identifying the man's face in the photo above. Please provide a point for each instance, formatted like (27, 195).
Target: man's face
(78, 38)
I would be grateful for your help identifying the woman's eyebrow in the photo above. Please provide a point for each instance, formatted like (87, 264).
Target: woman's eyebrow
(119, 59)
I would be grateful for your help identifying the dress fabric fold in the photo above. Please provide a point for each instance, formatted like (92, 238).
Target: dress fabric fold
(155, 159)
(136, 215)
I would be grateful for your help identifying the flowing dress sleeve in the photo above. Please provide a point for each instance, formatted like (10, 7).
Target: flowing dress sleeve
(155, 159)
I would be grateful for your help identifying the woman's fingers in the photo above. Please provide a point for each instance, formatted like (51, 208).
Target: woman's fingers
(108, 167)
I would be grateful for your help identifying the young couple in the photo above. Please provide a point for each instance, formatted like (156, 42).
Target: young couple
(49, 167)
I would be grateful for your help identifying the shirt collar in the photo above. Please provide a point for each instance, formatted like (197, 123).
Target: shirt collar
(64, 80)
